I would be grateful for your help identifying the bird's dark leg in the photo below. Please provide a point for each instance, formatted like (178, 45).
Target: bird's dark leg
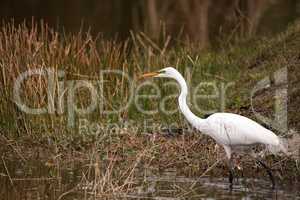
(231, 177)
(231, 172)
(269, 171)
(230, 165)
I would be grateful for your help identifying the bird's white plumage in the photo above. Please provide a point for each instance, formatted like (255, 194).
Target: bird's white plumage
(227, 129)
(232, 129)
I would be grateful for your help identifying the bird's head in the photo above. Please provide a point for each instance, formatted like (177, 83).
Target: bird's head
(168, 72)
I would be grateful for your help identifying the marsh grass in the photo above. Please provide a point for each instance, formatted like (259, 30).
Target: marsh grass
(110, 160)
(82, 57)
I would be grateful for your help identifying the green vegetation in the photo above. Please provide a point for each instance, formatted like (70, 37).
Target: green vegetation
(112, 156)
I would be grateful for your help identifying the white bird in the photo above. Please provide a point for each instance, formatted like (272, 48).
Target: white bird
(227, 129)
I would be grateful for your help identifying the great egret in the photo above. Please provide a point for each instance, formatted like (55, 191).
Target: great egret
(229, 130)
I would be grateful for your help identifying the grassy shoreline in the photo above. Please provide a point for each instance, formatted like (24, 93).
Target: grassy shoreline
(112, 158)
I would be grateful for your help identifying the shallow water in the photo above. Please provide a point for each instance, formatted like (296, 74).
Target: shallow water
(36, 181)
(168, 185)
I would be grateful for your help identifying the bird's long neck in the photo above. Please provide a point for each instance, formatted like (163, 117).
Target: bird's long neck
(182, 99)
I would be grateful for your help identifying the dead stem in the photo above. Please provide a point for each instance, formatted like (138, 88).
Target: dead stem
(7, 172)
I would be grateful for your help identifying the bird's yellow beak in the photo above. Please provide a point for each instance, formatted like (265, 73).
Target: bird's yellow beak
(148, 75)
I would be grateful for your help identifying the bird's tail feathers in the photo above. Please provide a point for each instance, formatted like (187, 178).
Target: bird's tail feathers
(281, 147)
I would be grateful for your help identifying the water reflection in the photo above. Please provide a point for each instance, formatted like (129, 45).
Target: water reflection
(168, 185)
(37, 181)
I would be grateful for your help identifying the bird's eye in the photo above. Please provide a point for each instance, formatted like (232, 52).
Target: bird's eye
(162, 71)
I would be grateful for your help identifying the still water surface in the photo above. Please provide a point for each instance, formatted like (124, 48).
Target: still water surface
(38, 182)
